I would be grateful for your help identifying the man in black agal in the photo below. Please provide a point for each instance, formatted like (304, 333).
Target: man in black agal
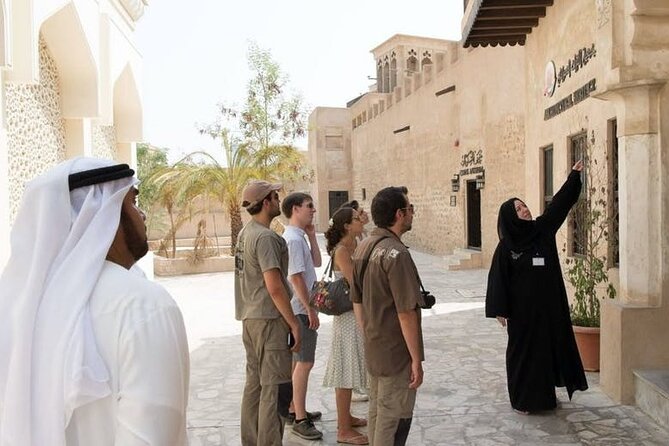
(526, 293)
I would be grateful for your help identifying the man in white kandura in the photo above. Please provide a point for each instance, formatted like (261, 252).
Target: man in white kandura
(92, 353)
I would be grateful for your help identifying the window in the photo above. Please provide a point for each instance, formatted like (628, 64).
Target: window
(548, 176)
(386, 77)
(393, 74)
(614, 222)
(364, 194)
(579, 235)
(412, 64)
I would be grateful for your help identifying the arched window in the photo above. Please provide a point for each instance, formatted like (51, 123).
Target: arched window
(425, 61)
(393, 74)
(412, 64)
(379, 77)
(386, 77)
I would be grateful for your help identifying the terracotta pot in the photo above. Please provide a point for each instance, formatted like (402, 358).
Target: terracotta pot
(587, 340)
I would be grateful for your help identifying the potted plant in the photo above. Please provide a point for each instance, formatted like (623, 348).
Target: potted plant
(587, 271)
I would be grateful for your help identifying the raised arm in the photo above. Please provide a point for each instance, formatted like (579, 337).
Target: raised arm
(557, 211)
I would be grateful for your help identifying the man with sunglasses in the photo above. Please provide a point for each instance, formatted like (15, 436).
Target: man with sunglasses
(262, 303)
(299, 209)
(386, 289)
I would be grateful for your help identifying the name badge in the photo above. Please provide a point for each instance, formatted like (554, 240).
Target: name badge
(538, 261)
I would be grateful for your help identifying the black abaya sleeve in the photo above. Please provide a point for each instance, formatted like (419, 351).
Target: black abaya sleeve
(557, 211)
(497, 301)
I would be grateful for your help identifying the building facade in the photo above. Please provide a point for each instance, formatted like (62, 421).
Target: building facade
(596, 76)
(68, 86)
(530, 89)
(427, 124)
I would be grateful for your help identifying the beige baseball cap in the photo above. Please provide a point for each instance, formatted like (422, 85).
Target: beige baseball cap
(256, 191)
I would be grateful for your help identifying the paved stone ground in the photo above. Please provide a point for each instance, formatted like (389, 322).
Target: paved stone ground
(462, 402)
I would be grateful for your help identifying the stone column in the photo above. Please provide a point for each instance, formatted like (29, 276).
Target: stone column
(632, 325)
(126, 153)
(78, 137)
(4, 181)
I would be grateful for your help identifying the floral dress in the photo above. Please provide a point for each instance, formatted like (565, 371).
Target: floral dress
(346, 363)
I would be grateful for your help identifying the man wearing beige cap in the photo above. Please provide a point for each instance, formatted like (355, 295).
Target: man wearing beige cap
(270, 329)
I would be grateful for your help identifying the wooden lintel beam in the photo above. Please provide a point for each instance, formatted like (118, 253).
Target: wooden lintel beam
(511, 13)
(496, 4)
(500, 32)
(504, 24)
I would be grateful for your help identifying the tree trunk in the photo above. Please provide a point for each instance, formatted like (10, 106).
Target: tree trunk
(235, 225)
(173, 230)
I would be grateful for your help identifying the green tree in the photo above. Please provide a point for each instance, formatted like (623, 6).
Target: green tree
(149, 159)
(267, 125)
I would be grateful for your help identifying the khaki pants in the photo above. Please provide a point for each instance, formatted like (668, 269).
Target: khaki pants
(391, 404)
(268, 389)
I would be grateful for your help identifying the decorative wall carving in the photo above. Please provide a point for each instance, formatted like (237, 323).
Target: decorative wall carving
(104, 141)
(35, 129)
(603, 12)
(134, 7)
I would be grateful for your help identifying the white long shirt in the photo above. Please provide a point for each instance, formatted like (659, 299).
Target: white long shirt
(140, 335)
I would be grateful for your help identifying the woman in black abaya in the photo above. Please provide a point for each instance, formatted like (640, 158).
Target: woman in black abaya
(526, 293)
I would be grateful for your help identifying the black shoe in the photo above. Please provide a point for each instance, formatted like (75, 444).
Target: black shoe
(311, 416)
(306, 429)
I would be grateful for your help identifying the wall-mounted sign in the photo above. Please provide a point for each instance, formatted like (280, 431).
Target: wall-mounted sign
(550, 79)
(580, 59)
(472, 170)
(574, 98)
(472, 158)
(554, 78)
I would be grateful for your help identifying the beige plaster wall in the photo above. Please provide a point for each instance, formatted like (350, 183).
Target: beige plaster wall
(329, 157)
(630, 68)
(482, 113)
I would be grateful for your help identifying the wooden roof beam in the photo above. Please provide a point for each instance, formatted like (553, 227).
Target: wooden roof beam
(511, 13)
(495, 4)
(504, 24)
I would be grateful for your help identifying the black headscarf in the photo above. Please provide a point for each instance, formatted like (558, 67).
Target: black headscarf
(515, 233)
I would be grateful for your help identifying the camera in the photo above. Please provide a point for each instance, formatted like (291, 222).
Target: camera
(428, 300)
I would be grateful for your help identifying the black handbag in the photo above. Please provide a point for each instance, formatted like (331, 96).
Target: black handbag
(329, 296)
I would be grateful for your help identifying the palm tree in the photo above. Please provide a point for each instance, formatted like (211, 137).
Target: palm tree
(200, 175)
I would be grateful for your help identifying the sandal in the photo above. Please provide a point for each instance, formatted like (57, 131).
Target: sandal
(356, 439)
(358, 422)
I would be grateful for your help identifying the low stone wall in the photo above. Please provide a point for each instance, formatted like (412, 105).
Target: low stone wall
(175, 267)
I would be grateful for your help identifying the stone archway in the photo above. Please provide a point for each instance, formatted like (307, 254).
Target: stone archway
(128, 114)
(5, 58)
(67, 42)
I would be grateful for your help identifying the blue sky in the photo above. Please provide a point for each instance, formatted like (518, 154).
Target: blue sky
(195, 54)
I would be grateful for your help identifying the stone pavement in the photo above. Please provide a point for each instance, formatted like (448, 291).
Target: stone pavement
(463, 400)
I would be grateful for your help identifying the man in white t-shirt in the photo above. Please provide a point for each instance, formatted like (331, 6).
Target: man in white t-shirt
(93, 353)
(299, 209)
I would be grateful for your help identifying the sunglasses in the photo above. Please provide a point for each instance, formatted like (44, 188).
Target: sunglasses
(310, 205)
(408, 208)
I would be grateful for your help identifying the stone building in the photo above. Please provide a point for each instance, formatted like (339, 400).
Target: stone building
(68, 87)
(428, 125)
(506, 112)
(596, 74)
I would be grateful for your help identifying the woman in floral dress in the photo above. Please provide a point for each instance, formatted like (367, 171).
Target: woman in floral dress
(346, 364)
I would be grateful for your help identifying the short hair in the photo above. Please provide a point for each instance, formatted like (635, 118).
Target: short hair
(294, 199)
(256, 208)
(386, 203)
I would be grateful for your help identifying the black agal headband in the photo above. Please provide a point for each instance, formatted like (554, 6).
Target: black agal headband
(99, 175)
